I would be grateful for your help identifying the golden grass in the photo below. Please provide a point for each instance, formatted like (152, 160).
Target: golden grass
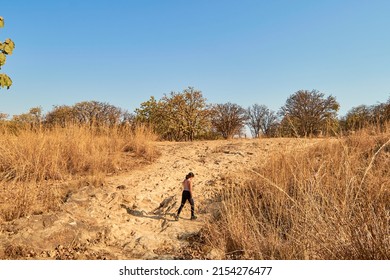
(31, 160)
(328, 201)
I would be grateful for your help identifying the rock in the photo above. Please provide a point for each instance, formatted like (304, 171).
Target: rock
(215, 254)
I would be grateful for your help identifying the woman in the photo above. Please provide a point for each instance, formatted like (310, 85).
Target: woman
(187, 195)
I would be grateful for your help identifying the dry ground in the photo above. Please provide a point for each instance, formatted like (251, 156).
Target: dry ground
(130, 215)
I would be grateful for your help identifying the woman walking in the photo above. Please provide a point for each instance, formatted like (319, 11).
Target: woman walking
(187, 195)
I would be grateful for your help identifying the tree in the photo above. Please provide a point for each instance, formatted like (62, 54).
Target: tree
(151, 113)
(148, 111)
(6, 48)
(261, 119)
(177, 116)
(358, 118)
(97, 113)
(187, 111)
(60, 116)
(309, 112)
(33, 119)
(3, 116)
(255, 114)
(381, 114)
(362, 116)
(387, 109)
(228, 119)
(92, 113)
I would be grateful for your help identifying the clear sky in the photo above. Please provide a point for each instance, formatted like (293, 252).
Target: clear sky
(243, 51)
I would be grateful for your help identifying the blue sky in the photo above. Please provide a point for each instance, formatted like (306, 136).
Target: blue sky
(245, 51)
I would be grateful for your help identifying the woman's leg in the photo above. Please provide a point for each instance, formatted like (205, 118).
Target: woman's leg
(183, 201)
(193, 217)
(185, 195)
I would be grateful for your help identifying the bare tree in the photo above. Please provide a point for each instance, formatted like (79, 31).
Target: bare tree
(261, 119)
(3, 116)
(255, 115)
(97, 113)
(228, 119)
(92, 113)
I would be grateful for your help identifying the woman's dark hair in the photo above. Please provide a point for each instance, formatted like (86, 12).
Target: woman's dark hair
(190, 175)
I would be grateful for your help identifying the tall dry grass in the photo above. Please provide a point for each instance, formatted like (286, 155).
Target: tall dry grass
(328, 201)
(32, 162)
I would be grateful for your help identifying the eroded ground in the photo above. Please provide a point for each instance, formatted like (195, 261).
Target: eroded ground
(130, 216)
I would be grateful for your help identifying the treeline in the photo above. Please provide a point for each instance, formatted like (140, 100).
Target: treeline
(91, 114)
(186, 116)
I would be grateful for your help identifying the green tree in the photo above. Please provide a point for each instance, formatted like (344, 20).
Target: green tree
(177, 116)
(148, 111)
(6, 48)
(309, 112)
(153, 114)
(187, 113)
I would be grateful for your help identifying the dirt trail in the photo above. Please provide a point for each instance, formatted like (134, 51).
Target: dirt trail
(130, 217)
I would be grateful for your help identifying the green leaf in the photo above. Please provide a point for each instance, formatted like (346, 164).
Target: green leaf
(1, 22)
(5, 81)
(2, 59)
(10, 42)
(8, 46)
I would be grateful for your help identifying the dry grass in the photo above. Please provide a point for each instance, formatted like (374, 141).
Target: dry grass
(141, 143)
(329, 201)
(33, 162)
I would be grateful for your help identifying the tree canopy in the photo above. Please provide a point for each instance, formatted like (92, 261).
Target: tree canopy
(228, 119)
(177, 116)
(309, 112)
(363, 116)
(92, 113)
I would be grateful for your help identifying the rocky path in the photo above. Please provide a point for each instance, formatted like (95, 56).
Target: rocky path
(131, 216)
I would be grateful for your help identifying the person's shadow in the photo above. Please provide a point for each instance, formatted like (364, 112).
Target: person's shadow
(144, 214)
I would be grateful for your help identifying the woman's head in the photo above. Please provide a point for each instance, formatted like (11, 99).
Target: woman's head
(190, 175)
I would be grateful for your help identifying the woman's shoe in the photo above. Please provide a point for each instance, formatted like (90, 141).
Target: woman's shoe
(194, 217)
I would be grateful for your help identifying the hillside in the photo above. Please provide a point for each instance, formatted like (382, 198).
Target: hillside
(130, 216)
